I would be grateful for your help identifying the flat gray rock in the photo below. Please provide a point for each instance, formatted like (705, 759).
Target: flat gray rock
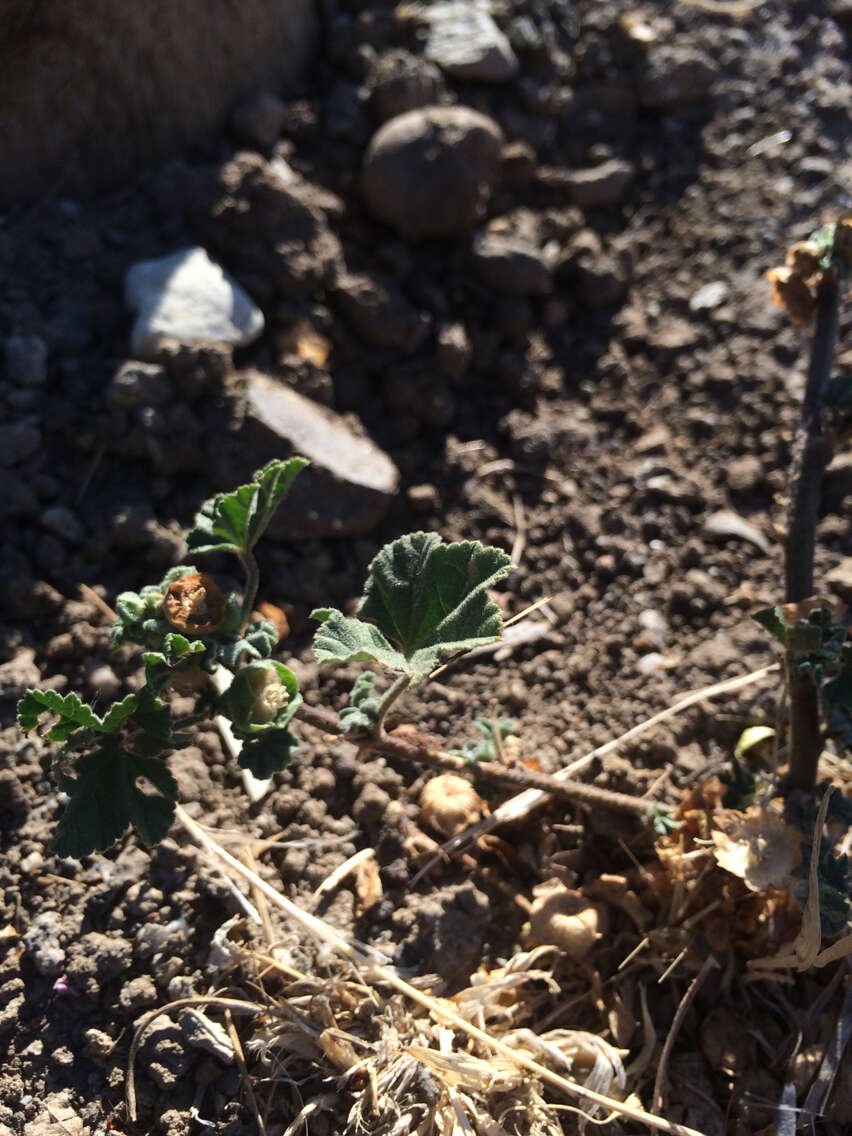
(465, 42)
(203, 1033)
(349, 484)
(189, 298)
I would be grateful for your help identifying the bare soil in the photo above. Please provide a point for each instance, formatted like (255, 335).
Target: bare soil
(597, 431)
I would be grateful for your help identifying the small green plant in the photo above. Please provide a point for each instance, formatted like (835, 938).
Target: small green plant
(423, 601)
(489, 746)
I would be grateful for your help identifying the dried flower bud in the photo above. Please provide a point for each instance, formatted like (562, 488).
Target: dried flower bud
(449, 804)
(803, 259)
(792, 293)
(275, 616)
(193, 604)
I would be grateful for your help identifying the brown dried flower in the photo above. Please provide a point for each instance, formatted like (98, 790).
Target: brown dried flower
(792, 293)
(803, 259)
(193, 604)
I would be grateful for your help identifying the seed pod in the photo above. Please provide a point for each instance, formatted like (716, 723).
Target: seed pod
(449, 804)
(565, 919)
(194, 605)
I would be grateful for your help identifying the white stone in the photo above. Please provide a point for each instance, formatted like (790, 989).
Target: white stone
(187, 297)
(466, 43)
(651, 663)
(709, 296)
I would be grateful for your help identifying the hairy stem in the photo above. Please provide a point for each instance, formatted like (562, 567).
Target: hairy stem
(811, 451)
(421, 752)
(252, 582)
(190, 720)
(388, 698)
(811, 454)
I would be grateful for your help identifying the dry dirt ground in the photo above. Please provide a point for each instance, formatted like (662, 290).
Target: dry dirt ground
(598, 424)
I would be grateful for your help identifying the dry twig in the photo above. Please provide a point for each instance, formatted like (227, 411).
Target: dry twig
(520, 806)
(685, 1002)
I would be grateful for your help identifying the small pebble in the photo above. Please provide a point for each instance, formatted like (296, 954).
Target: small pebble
(651, 663)
(32, 864)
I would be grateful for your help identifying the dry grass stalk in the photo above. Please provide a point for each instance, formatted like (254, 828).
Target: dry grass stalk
(366, 964)
(685, 1002)
(340, 873)
(520, 806)
(804, 951)
(236, 1005)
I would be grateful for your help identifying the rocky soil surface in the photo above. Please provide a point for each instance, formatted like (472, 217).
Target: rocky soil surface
(502, 279)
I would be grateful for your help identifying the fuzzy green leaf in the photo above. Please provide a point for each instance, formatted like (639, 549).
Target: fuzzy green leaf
(234, 522)
(661, 820)
(485, 748)
(361, 716)
(257, 642)
(772, 618)
(268, 753)
(105, 800)
(347, 639)
(74, 714)
(423, 600)
(160, 665)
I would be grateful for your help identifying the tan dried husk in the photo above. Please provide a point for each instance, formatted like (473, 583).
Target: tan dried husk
(746, 896)
(758, 847)
(792, 293)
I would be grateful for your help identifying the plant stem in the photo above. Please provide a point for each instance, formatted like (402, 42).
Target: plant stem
(252, 582)
(190, 720)
(388, 698)
(421, 752)
(811, 451)
(811, 454)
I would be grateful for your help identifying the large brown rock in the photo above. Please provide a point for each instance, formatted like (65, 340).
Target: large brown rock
(92, 89)
(431, 172)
